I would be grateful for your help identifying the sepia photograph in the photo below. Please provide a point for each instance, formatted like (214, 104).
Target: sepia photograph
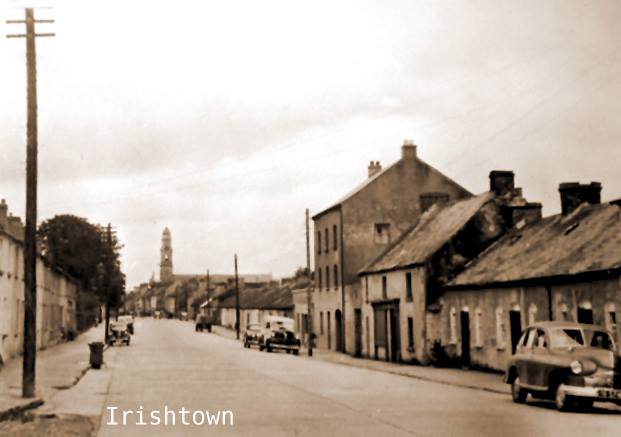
(328, 218)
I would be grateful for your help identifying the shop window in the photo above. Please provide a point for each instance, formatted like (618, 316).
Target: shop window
(501, 329)
(382, 233)
(478, 320)
(453, 326)
(408, 287)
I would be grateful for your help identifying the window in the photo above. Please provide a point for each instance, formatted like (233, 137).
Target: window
(321, 322)
(319, 242)
(408, 287)
(410, 333)
(532, 313)
(500, 329)
(384, 288)
(366, 288)
(326, 239)
(382, 233)
(611, 318)
(335, 238)
(319, 279)
(336, 276)
(327, 278)
(453, 326)
(478, 320)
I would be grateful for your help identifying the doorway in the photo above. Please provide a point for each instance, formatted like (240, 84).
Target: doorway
(338, 328)
(465, 338)
(515, 321)
(585, 315)
(358, 332)
(393, 318)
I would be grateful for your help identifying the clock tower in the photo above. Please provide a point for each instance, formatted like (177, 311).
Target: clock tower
(166, 266)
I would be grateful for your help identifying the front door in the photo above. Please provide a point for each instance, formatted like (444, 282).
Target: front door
(515, 321)
(358, 331)
(465, 338)
(338, 328)
(393, 317)
(585, 315)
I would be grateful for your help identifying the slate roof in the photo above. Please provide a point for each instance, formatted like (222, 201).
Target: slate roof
(585, 241)
(267, 297)
(434, 228)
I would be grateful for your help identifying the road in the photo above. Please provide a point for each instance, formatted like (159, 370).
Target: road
(168, 365)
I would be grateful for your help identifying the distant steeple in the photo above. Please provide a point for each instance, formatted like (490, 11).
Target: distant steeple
(166, 252)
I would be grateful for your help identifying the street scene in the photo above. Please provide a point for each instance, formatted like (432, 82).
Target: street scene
(338, 218)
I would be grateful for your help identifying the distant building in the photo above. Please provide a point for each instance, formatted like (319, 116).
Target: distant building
(358, 227)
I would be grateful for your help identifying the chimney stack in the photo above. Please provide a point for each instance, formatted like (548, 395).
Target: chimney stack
(15, 227)
(502, 182)
(408, 150)
(3, 214)
(374, 168)
(573, 194)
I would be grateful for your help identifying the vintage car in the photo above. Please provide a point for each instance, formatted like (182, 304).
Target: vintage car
(118, 333)
(252, 334)
(203, 322)
(571, 363)
(129, 321)
(278, 333)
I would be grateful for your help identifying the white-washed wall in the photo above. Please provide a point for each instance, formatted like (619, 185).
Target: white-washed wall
(56, 301)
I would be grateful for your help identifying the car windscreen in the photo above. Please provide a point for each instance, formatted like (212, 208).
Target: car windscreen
(566, 337)
(278, 324)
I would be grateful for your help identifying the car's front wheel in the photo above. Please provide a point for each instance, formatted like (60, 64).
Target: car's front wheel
(518, 393)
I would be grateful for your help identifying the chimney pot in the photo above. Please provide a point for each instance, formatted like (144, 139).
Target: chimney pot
(374, 168)
(573, 194)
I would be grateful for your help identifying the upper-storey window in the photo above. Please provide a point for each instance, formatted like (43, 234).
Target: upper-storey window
(319, 242)
(335, 239)
(319, 278)
(327, 240)
(408, 286)
(384, 287)
(327, 277)
(382, 233)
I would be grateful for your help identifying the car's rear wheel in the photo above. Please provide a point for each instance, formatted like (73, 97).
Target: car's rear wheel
(561, 400)
(296, 351)
(518, 394)
(268, 347)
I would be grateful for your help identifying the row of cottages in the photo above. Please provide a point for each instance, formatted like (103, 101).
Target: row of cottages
(401, 286)
(354, 230)
(564, 267)
(57, 294)
(255, 303)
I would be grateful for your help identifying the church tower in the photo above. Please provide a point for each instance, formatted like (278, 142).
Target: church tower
(166, 266)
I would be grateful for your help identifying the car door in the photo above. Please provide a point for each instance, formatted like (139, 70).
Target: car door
(540, 362)
(522, 356)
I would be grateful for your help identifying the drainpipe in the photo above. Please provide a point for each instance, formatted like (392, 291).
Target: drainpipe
(342, 275)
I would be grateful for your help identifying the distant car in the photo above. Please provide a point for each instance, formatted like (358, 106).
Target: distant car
(252, 335)
(203, 322)
(118, 333)
(571, 363)
(129, 321)
(278, 333)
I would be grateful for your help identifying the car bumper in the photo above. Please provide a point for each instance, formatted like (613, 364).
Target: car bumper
(284, 345)
(599, 394)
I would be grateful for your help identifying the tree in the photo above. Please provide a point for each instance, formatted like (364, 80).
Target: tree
(83, 251)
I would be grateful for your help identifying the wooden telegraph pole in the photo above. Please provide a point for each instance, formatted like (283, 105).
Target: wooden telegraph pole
(309, 300)
(236, 300)
(30, 236)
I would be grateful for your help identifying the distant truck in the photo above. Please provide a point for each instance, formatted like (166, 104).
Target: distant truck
(205, 318)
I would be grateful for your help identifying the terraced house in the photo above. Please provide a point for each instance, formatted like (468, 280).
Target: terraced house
(356, 228)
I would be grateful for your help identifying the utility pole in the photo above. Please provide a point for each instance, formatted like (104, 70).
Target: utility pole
(108, 282)
(30, 236)
(236, 299)
(309, 300)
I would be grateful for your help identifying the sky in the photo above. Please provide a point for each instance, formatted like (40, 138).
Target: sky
(225, 120)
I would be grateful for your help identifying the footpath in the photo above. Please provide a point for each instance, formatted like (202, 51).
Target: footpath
(59, 368)
(467, 378)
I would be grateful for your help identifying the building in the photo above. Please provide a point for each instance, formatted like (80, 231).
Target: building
(401, 286)
(355, 229)
(563, 267)
(57, 294)
(300, 312)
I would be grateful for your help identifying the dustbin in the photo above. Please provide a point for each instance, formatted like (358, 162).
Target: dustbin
(96, 359)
